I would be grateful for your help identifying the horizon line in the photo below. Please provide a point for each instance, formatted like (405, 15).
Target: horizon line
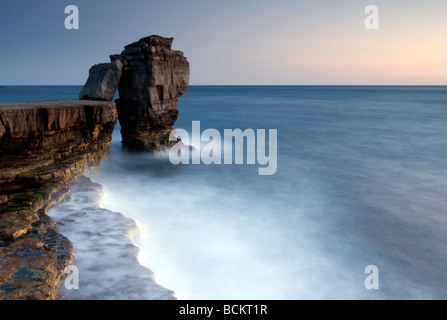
(250, 85)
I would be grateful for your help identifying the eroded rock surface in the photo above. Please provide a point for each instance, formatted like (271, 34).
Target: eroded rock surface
(102, 81)
(154, 76)
(150, 77)
(44, 146)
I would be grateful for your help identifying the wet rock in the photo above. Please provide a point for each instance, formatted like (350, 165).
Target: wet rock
(46, 145)
(28, 271)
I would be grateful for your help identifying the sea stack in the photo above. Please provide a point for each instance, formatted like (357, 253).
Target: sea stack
(153, 77)
(150, 77)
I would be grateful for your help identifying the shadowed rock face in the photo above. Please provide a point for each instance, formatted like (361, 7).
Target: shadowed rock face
(150, 77)
(154, 76)
(44, 146)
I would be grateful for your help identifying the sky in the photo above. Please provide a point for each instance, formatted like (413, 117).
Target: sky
(232, 42)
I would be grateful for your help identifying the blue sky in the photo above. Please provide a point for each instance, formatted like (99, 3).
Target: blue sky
(232, 42)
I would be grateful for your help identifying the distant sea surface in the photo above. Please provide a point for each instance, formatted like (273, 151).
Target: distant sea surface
(361, 180)
(38, 93)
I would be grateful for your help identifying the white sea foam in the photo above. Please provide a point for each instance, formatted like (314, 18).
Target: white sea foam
(106, 256)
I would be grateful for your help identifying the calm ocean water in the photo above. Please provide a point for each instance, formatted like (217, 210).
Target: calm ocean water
(361, 181)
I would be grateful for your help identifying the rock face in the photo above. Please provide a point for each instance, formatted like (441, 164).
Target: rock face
(150, 77)
(154, 76)
(102, 81)
(44, 146)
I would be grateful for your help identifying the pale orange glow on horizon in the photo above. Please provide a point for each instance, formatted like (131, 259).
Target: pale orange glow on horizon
(334, 47)
(239, 42)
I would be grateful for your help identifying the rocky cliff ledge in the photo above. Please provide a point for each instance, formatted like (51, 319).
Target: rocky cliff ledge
(150, 77)
(44, 146)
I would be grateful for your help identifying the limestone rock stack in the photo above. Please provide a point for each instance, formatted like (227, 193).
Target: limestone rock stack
(151, 77)
(154, 76)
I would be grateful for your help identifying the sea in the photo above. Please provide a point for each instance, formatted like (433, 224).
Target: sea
(357, 208)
